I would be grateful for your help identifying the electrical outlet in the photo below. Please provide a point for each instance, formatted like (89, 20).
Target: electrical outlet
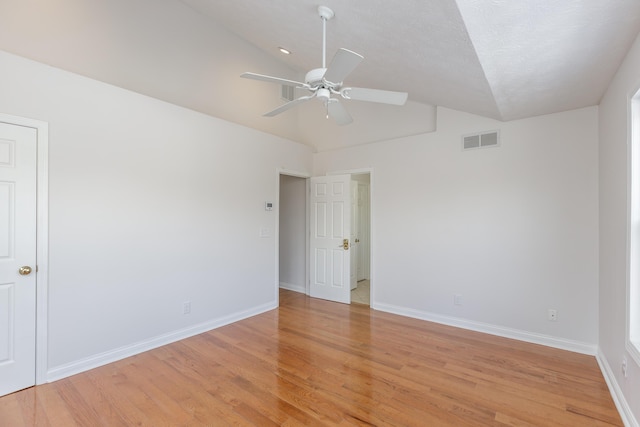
(552, 315)
(624, 366)
(186, 307)
(457, 299)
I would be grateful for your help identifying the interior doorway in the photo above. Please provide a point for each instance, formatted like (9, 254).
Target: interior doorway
(293, 231)
(361, 237)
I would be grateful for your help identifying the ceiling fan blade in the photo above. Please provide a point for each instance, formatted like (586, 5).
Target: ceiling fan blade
(288, 105)
(337, 111)
(374, 95)
(342, 64)
(270, 79)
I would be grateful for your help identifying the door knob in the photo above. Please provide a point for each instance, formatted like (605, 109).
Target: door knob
(25, 270)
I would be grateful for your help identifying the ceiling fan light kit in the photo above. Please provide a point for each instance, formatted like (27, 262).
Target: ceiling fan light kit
(326, 81)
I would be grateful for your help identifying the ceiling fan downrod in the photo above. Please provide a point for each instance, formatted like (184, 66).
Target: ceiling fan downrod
(325, 14)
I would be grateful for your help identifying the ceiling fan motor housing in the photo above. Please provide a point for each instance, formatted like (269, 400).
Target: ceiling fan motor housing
(314, 77)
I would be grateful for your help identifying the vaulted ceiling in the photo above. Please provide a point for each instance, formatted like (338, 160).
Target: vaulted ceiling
(502, 59)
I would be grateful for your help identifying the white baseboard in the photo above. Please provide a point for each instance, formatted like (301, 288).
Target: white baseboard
(101, 359)
(626, 414)
(550, 341)
(292, 287)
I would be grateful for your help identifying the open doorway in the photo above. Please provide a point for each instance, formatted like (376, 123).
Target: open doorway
(292, 230)
(361, 238)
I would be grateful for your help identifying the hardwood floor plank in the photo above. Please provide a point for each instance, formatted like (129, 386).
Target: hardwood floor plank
(197, 386)
(243, 365)
(30, 407)
(316, 363)
(48, 402)
(12, 411)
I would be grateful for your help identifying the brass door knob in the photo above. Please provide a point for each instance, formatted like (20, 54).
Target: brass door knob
(25, 270)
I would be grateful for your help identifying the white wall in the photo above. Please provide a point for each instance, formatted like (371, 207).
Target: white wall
(613, 163)
(150, 205)
(512, 229)
(292, 212)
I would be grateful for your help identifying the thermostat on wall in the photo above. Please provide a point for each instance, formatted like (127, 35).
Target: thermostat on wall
(268, 206)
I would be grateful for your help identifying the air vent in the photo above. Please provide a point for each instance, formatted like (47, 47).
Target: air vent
(286, 92)
(480, 140)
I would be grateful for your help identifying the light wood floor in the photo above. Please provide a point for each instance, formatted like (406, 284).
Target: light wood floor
(312, 362)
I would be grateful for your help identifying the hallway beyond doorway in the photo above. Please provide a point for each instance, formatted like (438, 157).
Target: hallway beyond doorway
(362, 293)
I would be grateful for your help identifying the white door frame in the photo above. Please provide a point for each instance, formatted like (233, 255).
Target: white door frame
(372, 247)
(306, 176)
(42, 238)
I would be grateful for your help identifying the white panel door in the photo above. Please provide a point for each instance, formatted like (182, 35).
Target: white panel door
(330, 221)
(17, 256)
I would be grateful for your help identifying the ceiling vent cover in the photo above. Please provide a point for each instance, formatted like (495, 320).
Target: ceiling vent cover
(287, 93)
(481, 140)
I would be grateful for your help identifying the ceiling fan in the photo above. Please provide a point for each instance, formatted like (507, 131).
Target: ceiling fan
(326, 81)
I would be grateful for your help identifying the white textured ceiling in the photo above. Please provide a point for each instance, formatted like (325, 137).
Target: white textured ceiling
(504, 59)
(498, 58)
